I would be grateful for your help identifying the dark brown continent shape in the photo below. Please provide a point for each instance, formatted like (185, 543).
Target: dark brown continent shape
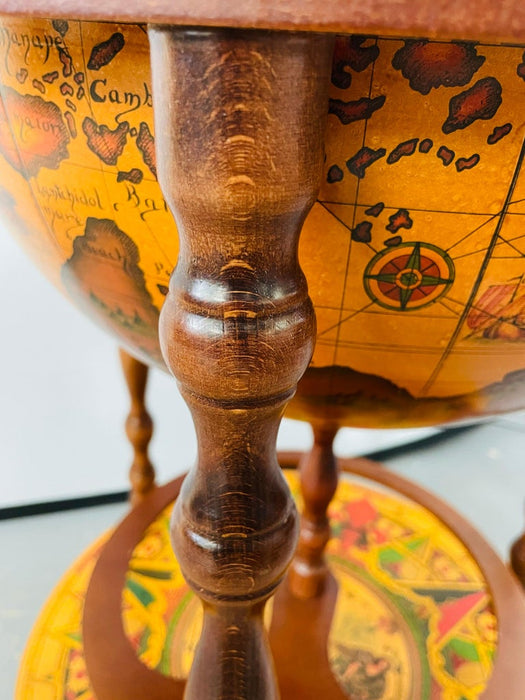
(105, 143)
(335, 174)
(393, 241)
(431, 64)
(146, 145)
(521, 67)
(481, 101)
(349, 52)
(61, 26)
(105, 52)
(425, 145)
(467, 163)
(42, 146)
(71, 125)
(104, 276)
(375, 210)
(355, 110)
(66, 89)
(445, 155)
(50, 77)
(498, 133)
(343, 396)
(21, 75)
(407, 148)
(39, 85)
(134, 175)
(401, 219)
(364, 157)
(65, 60)
(362, 233)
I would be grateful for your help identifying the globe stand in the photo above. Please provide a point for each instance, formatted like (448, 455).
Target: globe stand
(318, 469)
(300, 627)
(239, 134)
(139, 427)
(517, 559)
(318, 473)
(301, 630)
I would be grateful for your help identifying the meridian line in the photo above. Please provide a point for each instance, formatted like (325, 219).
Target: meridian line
(480, 275)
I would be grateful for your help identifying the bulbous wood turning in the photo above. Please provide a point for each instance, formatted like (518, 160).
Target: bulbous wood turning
(318, 470)
(139, 428)
(239, 124)
(517, 559)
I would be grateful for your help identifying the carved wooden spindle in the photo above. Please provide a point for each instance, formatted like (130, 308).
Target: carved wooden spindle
(318, 473)
(239, 125)
(139, 428)
(517, 559)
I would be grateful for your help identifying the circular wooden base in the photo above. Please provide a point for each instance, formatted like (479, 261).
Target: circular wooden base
(406, 613)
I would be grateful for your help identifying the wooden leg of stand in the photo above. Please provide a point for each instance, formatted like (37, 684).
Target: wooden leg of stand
(318, 470)
(139, 428)
(239, 125)
(517, 559)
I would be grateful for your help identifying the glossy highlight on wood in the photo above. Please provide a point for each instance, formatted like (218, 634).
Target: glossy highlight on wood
(411, 249)
(300, 627)
(139, 427)
(318, 470)
(517, 559)
(239, 163)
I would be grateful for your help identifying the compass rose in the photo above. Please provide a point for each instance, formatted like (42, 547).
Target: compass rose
(409, 276)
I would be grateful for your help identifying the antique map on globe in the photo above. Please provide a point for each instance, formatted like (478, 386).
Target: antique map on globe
(414, 251)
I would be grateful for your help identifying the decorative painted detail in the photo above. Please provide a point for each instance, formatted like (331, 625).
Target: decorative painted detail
(414, 618)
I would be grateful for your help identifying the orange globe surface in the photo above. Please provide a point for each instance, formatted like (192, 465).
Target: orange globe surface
(414, 252)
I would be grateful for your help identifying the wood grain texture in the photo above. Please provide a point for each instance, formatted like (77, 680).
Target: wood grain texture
(299, 638)
(139, 427)
(318, 470)
(239, 118)
(463, 19)
(517, 559)
(115, 671)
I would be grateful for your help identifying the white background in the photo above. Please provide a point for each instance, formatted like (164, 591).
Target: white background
(63, 400)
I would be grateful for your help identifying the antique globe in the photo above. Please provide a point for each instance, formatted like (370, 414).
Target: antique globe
(412, 250)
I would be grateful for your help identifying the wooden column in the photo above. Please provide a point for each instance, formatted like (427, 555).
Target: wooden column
(139, 427)
(517, 559)
(318, 472)
(239, 126)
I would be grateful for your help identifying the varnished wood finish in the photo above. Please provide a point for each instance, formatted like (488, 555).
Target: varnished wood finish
(299, 641)
(239, 118)
(517, 559)
(318, 469)
(115, 672)
(298, 634)
(139, 427)
(462, 19)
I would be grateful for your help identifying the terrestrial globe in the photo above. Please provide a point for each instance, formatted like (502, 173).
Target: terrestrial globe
(413, 252)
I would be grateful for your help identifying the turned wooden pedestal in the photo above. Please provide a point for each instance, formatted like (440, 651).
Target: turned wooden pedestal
(239, 126)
